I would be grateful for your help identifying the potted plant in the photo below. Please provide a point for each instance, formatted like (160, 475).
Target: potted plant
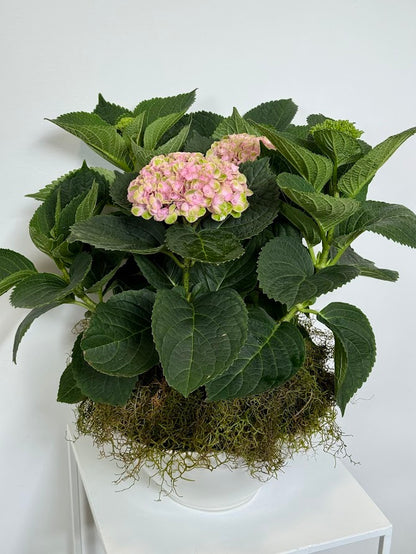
(197, 264)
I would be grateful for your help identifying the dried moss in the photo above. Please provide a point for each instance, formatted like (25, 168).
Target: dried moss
(262, 431)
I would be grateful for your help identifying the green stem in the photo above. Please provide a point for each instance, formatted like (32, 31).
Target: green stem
(311, 252)
(309, 311)
(90, 304)
(174, 258)
(79, 303)
(186, 267)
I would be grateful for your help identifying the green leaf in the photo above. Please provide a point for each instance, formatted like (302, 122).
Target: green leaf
(339, 146)
(77, 182)
(78, 271)
(278, 113)
(123, 233)
(366, 167)
(155, 131)
(27, 322)
(106, 389)
(156, 108)
(366, 267)
(14, 267)
(68, 391)
(37, 290)
(104, 267)
(197, 143)
(98, 134)
(119, 340)
(232, 125)
(160, 272)
(175, 143)
(393, 221)
(271, 355)
(263, 207)
(205, 123)
(316, 169)
(238, 274)
(209, 246)
(134, 129)
(87, 206)
(141, 156)
(119, 189)
(110, 112)
(355, 348)
(316, 118)
(287, 274)
(197, 340)
(303, 222)
(325, 209)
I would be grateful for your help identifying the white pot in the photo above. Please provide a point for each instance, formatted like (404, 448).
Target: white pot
(221, 488)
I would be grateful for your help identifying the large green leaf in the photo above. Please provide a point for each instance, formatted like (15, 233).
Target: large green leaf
(110, 112)
(41, 289)
(98, 134)
(77, 182)
(278, 113)
(69, 391)
(27, 322)
(160, 271)
(327, 210)
(155, 131)
(175, 143)
(97, 386)
(123, 233)
(14, 267)
(77, 273)
(306, 225)
(366, 167)
(287, 275)
(393, 221)
(104, 266)
(263, 207)
(87, 206)
(134, 129)
(37, 290)
(119, 340)
(207, 245)
(197, 340)
(270, 356)
(366, 267)
(238, 274)
(119, 189)
(316, 169)
(355, 348)
(156, 108)
(340, 147)
(233, 125)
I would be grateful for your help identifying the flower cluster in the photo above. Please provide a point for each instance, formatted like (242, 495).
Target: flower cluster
(188, 184)
(342, 125)
(239, 148)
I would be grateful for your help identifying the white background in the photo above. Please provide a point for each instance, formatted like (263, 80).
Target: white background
(350, 60)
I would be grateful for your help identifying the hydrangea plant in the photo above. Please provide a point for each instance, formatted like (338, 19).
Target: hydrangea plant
(200, 252)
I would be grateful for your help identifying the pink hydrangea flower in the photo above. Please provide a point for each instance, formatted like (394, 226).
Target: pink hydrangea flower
(239, 148)
(188, 184)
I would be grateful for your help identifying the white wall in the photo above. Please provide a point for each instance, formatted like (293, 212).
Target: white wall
(351, 60)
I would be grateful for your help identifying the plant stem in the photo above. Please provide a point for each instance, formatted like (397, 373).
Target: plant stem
(309, 311)
(174, 258)
(186, 267)
(90, 304)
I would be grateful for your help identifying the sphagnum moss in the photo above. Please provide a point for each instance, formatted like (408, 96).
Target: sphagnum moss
(261, 431)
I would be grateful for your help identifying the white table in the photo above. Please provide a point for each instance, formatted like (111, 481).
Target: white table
(313, 507)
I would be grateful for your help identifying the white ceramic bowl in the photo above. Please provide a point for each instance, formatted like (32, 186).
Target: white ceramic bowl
(222, 488)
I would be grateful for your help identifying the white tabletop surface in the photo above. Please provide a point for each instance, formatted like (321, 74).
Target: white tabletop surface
(313, 505)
